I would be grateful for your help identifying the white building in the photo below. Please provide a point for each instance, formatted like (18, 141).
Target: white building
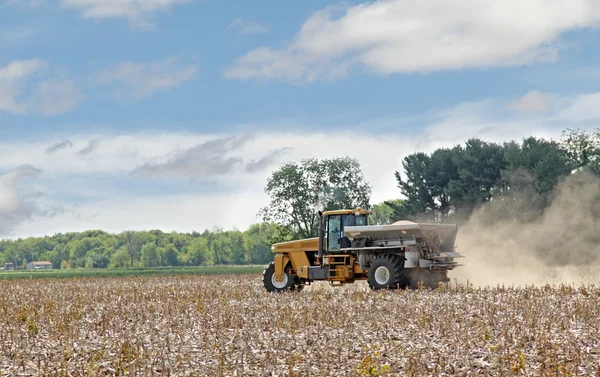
(40, 265)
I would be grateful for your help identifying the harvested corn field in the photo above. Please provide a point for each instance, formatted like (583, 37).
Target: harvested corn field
(228, 325)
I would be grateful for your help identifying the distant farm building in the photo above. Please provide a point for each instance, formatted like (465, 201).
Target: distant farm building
(41, 265)
(9, 266)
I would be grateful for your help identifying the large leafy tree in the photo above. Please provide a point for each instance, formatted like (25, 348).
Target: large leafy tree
(299, 191)
(259, 238)
(150, 256)
(133, 245)
(479, 166)
(442, 171)
(449, 181)
(415, 185)
(388, 212)
(583, 148)
(533, 169)
(426, 185)
(198, 253)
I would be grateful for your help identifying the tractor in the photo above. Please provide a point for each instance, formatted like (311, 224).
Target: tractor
(401, 255)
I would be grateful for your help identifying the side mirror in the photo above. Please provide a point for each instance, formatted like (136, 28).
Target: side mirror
(320, 214)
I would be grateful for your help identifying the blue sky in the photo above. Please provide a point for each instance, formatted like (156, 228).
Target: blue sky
(135, 91)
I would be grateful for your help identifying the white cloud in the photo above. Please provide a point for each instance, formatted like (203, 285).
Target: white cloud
(56, 96)
(19, 69)
(399, 36)
(140, 80)
(11, 82)
(183, 213)
(91, 166)
(244, 26)
(138, 12)
(534, 101)
(585, 109)
(16, 205)
(50, 97)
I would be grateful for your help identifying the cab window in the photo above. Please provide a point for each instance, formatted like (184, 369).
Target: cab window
(334, 231)
(360, 220)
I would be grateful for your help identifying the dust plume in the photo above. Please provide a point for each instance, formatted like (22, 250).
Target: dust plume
(510, 243)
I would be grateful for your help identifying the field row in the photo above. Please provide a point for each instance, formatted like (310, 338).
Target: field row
(228, 325)
(107, 272)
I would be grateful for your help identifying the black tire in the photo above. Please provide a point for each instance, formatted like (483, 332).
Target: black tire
(292, 284)
(387, 272)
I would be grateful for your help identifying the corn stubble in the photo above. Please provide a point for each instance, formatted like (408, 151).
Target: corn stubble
(228, 326)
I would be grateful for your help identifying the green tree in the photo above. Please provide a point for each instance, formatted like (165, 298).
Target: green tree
(61, 253)
(97, 258)
(415, 185)
(80, 247)
(32, 248)
(449, 181)
(170, 254)
(220, 246)
(259, 238)
(150, 256)
(387, 212)
(133, 246)
(120, 259)
(238, 253)
(479, 165)
(533, 169)
(442, 170)
(299, 191)
(583, 148)
(198, 253)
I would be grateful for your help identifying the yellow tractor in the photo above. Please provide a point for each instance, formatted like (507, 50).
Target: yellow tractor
(398, 255)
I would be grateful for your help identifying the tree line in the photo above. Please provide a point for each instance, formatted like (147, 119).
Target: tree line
(99, 249)
(445, 185)
(450, 183)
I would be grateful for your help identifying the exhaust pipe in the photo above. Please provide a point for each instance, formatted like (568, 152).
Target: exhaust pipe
(321, 236)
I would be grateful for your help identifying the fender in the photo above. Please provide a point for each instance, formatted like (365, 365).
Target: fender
(281, 260)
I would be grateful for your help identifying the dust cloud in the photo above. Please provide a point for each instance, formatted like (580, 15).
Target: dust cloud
(513, 245)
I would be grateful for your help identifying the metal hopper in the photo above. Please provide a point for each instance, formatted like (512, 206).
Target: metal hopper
(439, 238)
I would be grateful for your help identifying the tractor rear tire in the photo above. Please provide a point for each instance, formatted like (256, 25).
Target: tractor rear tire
(290, 282)
(387, 272)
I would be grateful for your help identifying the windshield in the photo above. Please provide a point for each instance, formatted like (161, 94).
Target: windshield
(336, 225)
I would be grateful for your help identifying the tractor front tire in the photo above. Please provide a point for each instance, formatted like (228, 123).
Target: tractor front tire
(387, 272)
(290, 282)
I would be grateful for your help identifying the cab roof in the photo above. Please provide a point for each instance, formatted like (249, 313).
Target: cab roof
(348, 212)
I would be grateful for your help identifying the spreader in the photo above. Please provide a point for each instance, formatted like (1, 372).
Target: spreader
(399, 255)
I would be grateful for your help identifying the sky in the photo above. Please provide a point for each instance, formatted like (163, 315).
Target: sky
(171, 114)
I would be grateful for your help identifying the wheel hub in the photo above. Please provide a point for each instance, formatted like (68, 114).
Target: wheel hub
(279, 284)
(382, 275)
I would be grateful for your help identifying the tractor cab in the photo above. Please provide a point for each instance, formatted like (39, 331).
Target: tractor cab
(333, 224)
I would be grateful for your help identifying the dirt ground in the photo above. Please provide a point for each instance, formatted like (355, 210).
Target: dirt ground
(228, 325)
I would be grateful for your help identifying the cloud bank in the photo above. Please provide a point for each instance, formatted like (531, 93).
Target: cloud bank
(402, 36)
(16, 205)
(135, 81)
(164, 180)
(138, 12)
(50, 96)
